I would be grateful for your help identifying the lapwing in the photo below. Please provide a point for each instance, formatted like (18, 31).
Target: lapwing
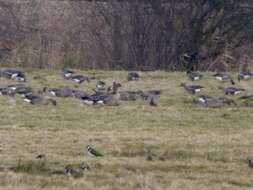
(92, 152)
(192, 88)
(133, 76)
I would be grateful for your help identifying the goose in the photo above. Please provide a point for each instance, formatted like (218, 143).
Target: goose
(130, 95)
(110, 99)
(92, 152)
(20, 89)
(59, 92)
(244, 76)
(79, 78)
(204, 99)
(250, 163)
(194, 76)
(248, 97)
(224, 77)
(100, 85)
(232, 90)
(153, 100)
(146, 94)
(133, 76)
(5, 91)
(227, 101)
(13, 74)
(38, 100)
(78, 93)
(66, 73)
(192, 88)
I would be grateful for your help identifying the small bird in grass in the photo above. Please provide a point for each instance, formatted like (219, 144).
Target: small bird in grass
(250, 162)
(41, 156)
(92, 152)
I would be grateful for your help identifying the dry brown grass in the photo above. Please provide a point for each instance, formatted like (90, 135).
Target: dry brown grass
(191, 147)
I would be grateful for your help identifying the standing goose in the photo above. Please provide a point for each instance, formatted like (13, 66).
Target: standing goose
(92, 152)
(194, 76)
(244, 76)
(192, 88)
(232, 90)
(133, 76)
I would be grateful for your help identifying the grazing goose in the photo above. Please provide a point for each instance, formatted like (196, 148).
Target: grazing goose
(79, 78)
(38, 100)
(59, 92)
(13, 74)
(192, 88)
(232, 90)
(66, 73)
(92, 152)
(133, 76)
(194, 76)
(244, 76)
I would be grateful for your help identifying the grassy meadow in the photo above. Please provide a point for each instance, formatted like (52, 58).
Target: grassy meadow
(177, 145)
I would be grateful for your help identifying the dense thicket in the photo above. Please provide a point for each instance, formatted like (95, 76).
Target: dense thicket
(127, 34)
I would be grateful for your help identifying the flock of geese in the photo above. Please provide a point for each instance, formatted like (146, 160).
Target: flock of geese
(102, 95)
(210, 101)
(111, 95)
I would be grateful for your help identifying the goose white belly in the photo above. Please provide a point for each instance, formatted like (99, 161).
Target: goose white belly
(219, 78)
(27, 100)
(197, 90)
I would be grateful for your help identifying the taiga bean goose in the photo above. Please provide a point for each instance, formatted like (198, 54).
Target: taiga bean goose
(79, 78)
(224, 77)
(232, 90)
(248, 97)
(66, 73)
(13, 74)
(59, 92)
(194, 76)
(133, 76)
(227, 101)
(192, 88)
(204, 99)
(130, 95)
(244, 76)
(38, 100)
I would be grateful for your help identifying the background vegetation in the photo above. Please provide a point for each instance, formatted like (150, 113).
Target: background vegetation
(129, 34)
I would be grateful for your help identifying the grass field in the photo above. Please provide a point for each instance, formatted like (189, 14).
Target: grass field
(192, 147)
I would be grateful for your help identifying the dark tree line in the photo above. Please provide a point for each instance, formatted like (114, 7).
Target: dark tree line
(127, 34)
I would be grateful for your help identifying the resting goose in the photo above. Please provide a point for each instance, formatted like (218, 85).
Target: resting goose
(59, 92)
(192, 88)
(78, 94)
(194, 76)
(79, 78)
(110, 99)
(244, 76)
(232, 90)
(133, 76)
(66, 73)
(226, 101)
(204, 99)
(13, 74)
(224, 77)
(248, 97)
(130, 95)
(38, 100)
